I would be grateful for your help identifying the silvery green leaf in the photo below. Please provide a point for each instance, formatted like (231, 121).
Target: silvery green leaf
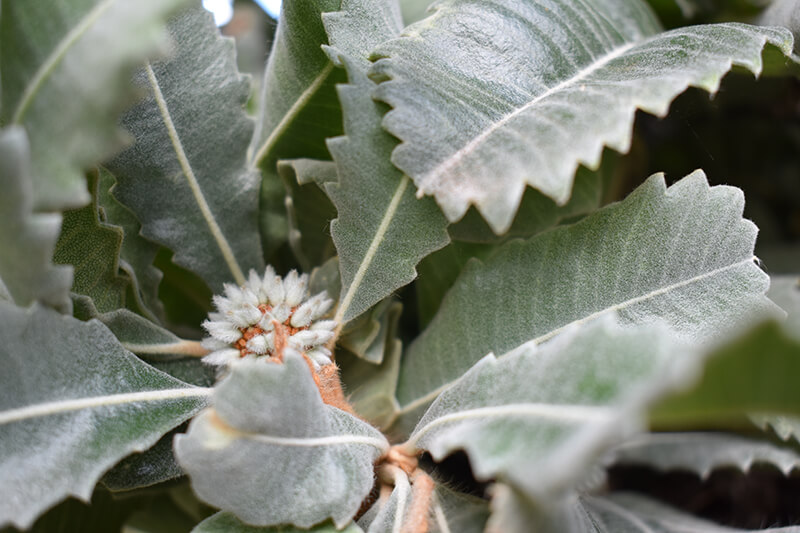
(785, 291)
(297, 109)
(371, 388)
(73, 380)
(137, 254)
(490, 97)
(632, 513)
(784, 13)
(440, 270)
(538, 417)
(146, 468)
(414, 10)
(139, 335)
(299, 79)
(224, 522)
(326, 278)
(753, 372)
(377, 330)
(513, 512)
(538, 212)
(382, 230)
(703, 452)
(97, 40)
(308, 209)
(242, 457)
(390, 512)
(186, 179)
(453, 511)
(92, 247)
(359, 26)
(27, 240)
(681, 254)
(445, 510)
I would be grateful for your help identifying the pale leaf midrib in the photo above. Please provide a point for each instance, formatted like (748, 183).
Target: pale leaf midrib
(456, 157)
(422, 400)
(182, 347)
(191, 179)
(55, 57)
(377, 240)
(78, 404)
(311, 442)
(550, 411)
(293, 111)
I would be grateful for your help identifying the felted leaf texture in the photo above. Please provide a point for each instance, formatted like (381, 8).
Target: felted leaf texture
(489, 97)
(681, 254)
(73, 403)
(382, 231)
(27, 239)
(224, 522)
(297, 108)
(92, 247)
(632, 513)
(186, 179)
(704, 452)
(539, 416)
(297, 462)
(84, 54)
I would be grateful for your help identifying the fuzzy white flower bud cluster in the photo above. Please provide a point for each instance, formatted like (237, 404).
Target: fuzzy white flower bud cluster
(266, 317)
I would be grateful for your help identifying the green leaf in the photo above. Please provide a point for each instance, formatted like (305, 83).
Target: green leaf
(539, 416)
(756, 372)
(682, 254)
(186, 179)
(298, 108)
(382, 230)
(371, 388)
(489, 97)
(300, 463)
(704, 452)
(439, 271)
(27, 240)
(373, 338)
(632, 513)
(146, 468)
(92, 248)
(223, 522)
(137, 254)
(46, 65)
(784, 13)
(785, 291)
(537, 212)
(73, 380)
(139, 335)
(358, 27)
(308, 209)
(453, 511)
